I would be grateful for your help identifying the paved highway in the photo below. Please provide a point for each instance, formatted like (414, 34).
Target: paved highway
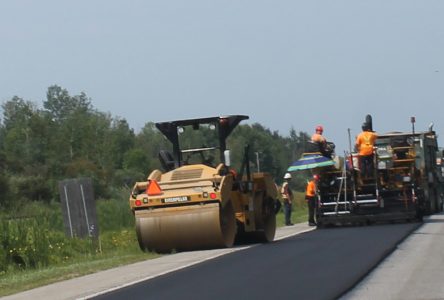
(321, 264)
(414, 271)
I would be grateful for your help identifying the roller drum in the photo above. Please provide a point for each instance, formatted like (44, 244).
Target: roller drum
(186, 227)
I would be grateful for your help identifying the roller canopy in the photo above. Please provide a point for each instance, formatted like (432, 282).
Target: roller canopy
(224, 125)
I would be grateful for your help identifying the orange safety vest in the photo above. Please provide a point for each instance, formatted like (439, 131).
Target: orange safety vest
(365, 142)
(311, 189)
(286, 192)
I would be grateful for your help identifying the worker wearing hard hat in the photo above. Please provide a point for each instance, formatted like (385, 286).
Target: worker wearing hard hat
(287, 197)
(317, 136)
(321, 141)
(365, 143)
(310, 196)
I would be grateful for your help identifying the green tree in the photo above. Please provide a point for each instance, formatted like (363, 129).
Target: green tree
(61, 105)
(5, 199)
(151, 141)
(69, 138)
(20, 118)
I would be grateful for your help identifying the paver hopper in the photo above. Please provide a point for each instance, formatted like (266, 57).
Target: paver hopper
(198, 201)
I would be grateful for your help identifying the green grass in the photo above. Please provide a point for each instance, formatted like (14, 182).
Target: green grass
(299, 211)
(297, 216)
(113, 249)
(17, 281)
(34, 250)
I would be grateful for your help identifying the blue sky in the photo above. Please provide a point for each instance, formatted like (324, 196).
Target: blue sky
(284, 63)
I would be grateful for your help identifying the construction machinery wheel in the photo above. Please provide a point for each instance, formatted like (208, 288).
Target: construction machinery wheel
(200, 226)
(268, 221)
(265, 222)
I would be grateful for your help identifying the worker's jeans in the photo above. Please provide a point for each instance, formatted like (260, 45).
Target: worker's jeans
(311, 202)
(287, 212)
(367, 167)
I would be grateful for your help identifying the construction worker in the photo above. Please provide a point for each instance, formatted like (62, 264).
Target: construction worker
(321, 142)
(317, 136)
(287, 197)
(365, 142)
(310, 196)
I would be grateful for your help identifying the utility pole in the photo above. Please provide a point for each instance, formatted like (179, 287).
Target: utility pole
(257, 162)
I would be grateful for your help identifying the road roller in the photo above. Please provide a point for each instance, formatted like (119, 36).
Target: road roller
(198, 200)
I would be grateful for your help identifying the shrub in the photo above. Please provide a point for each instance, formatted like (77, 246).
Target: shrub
(5, 199)
(115, 214)
(30, 188)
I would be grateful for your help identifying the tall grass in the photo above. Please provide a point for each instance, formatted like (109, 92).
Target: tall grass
(30, 243)
(35, 237)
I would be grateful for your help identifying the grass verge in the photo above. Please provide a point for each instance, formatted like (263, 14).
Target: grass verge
(18, 281)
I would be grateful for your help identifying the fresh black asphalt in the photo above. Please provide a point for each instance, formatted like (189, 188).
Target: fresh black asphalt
(322, 264)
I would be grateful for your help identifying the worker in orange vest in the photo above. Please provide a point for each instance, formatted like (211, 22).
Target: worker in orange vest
(318, 139)
(287, 197)
(310, 196)
(365, 143)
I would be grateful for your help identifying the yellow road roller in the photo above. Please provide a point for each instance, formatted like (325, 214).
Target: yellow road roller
(198, 201)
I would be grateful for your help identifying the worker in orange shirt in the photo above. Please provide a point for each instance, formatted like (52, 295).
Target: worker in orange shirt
(310, 196)
(365, 143)
(317, 136)
(318, 139)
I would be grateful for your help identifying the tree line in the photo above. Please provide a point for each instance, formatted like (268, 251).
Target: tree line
(69, 138)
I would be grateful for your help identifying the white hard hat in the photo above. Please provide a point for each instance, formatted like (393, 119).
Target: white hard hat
(287, 176)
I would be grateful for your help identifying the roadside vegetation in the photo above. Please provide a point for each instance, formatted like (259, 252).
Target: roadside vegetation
(35, 250)
(68, 138)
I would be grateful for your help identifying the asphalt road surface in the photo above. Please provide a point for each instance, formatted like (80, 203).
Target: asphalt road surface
(415, 270)
(321, 264)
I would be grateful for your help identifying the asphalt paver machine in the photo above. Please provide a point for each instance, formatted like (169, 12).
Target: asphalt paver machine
(405, 185)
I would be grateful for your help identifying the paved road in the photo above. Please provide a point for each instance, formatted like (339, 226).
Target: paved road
(321, 264)
(414, 271)
(97, 283)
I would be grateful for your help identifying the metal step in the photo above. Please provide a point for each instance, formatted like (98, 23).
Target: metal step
(344, 212)
(365, 195)
(368, 185)
(334, 203)
(350, 202)
(367, 201)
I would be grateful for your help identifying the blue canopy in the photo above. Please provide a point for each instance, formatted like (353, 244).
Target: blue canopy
(310, 161)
